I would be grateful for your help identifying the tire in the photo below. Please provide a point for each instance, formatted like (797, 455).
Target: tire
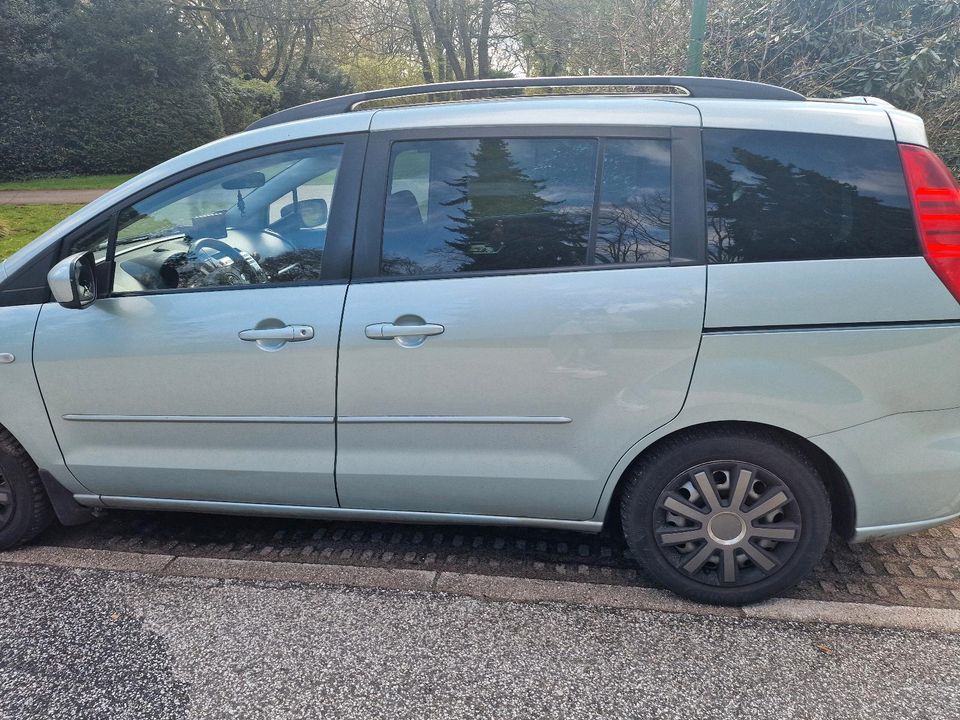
(727, 517)
(25, 511)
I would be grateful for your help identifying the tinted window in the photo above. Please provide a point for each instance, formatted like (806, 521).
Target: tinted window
(511, 204)
(797, 196)
(258, 221)
(488, 204)
(633, 224)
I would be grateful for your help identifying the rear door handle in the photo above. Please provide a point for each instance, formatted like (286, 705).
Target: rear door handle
(287, 333)
(390, 331)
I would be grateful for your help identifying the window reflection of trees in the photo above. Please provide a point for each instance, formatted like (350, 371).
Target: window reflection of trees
(505, 204)
(294, 266)
(635, 231)
(396, 265)
(778, 211)
(502, 221)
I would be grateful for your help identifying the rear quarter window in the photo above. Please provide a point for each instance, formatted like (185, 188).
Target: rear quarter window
(797, 196)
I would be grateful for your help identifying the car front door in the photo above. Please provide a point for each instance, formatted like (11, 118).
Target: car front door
(526, 305)
(208, 372)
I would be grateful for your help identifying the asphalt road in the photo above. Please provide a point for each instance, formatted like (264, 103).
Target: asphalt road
(97, 644)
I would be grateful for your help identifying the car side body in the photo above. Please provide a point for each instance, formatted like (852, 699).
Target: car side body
(527, 394)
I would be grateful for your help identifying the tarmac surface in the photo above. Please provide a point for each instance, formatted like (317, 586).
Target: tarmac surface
(83, 644)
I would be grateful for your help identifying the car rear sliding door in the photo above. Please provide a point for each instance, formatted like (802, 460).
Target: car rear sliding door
(526, 305)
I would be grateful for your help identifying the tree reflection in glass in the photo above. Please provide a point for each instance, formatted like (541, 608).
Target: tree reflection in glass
(491, 204)
(792, 196)
(504, 220)
(634, 219)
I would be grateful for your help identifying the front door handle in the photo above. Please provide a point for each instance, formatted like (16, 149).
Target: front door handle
(287, 333)
(391, 331)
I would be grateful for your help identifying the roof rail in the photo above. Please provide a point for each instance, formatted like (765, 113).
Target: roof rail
(700, 87)
(863, 100)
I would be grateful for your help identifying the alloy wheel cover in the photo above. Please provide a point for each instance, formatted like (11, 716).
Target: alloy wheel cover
(727, 523)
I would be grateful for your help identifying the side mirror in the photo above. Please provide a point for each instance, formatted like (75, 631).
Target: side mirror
(313, 212)
(73, 281)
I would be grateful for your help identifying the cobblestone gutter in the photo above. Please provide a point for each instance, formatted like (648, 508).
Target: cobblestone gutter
(918, 570)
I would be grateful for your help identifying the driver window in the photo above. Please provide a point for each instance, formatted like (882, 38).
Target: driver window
(258, 221)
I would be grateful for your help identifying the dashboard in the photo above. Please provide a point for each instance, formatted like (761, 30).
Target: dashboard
(242, 257)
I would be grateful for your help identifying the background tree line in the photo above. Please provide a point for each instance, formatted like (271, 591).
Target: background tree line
(96, 86)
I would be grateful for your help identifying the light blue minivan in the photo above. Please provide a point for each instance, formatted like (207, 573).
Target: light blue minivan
(724, 317)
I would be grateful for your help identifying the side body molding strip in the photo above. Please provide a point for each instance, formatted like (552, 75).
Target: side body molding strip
(290, 420)
(324, 420)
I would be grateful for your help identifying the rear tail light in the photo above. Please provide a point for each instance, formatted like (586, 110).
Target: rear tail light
(936, 205)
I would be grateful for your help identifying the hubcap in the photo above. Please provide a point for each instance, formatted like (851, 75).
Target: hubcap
(726, 528)
(727, 523)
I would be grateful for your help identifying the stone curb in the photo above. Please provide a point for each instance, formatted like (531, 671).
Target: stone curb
(485, 587)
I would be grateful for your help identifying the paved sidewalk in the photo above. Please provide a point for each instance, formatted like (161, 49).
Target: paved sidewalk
(94, 644)
(49, 197)
(917, 570)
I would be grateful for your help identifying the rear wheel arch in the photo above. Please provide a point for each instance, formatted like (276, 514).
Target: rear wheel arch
(837, 485)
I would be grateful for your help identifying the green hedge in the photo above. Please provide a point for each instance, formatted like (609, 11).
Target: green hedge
(113, 86)
(106, 132)
(243, 101)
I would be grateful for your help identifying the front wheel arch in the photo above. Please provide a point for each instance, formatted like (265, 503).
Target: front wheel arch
(66, 509)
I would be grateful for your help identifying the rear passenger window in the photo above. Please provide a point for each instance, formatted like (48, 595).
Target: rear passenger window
(633, 224)
(488, 204)
(501, 204)
(797, 196)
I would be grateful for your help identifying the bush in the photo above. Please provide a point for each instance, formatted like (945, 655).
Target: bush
(368, 72)
(107, 87)
(941, 111)
(314, 84)
(243, 101)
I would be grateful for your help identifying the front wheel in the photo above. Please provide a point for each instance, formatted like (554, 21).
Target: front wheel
(726, 518)
(25, 510)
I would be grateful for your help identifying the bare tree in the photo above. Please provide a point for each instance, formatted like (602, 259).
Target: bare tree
(267, 40)
(453, 38)
(559, 37)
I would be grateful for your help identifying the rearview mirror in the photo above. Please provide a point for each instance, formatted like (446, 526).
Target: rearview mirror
(73, 281)
(247, 181)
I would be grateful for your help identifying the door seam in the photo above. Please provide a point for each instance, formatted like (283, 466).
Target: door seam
(43, 400)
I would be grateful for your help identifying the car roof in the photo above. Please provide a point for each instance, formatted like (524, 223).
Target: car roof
(587, 100)
(867, 121)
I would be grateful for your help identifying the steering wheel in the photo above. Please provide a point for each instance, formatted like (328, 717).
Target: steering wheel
(243, 270)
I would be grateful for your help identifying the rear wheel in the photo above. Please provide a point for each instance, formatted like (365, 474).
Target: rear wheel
(726, 518)
(25, 510)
